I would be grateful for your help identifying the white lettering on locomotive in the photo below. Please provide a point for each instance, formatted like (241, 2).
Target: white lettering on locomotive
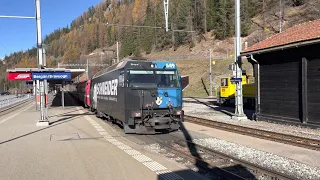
(107, 88)
(170, 65)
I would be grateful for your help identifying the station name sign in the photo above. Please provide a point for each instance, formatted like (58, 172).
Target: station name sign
(51, 76)
(236, 79)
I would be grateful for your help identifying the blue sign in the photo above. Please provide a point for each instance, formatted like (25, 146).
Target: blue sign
(51, 76)
(236, 79)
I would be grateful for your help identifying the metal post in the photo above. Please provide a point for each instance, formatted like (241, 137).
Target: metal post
(46, 98)
(39, 34)
(43, 121)
(45, 86)
(166, 13)
(118, 52)
(239, 114)
(87, 68)
(280, 16)
(210, 72)
(62, 97)
(37, 93)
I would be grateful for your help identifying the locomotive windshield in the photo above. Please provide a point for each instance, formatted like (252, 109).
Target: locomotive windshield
(162, 79)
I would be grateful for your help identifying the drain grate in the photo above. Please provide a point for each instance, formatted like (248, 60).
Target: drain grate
(64, 137)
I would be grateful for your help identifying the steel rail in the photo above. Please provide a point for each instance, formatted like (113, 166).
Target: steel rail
(14, 107)
(307, 143)
(224, 174)
(256, 170)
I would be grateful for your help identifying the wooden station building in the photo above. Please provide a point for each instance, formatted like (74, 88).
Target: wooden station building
(287, 75)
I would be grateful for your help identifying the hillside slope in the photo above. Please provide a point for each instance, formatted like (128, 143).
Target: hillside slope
(92, 37)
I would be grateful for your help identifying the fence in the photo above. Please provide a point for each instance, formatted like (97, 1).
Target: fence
(5, 102)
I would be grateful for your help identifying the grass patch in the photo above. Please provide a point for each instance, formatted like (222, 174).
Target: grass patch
(198, 71)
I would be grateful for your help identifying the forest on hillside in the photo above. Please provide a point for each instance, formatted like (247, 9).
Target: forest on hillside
(188, 21)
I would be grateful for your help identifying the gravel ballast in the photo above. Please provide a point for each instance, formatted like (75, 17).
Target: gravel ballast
(203, 111)
(264, 159)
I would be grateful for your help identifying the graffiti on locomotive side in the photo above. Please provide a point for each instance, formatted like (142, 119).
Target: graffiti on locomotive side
(107, 88)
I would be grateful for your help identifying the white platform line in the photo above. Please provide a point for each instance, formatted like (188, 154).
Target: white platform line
(154, 166)
(132, 152)
(145, 160)
(142, 158)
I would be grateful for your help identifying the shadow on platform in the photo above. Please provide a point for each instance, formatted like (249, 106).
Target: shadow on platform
(228, 110)
(68, 102)
(201, 164)
(60, 121)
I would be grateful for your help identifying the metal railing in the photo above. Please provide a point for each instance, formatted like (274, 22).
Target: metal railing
(14, 100)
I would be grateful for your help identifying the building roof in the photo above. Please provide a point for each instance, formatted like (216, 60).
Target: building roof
(304, 33)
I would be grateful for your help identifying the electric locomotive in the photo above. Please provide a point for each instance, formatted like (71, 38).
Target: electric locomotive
(144, 96)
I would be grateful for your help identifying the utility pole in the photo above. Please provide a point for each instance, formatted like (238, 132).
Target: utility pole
(205, 15)
(118, 52)
(239, 114)
(166, 13)
(87, 68)
(210, 72)
(43, 120)
(45, 84)
(280, 16)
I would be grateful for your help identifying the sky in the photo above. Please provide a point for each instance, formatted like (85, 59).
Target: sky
(20, 34)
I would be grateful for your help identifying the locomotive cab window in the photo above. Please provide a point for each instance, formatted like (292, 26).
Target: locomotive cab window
(141, 78)
(121, 80)
(224, 82)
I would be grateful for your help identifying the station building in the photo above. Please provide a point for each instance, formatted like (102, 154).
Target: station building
(287, 75)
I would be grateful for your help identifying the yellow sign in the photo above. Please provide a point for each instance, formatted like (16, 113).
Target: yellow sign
(213, 62)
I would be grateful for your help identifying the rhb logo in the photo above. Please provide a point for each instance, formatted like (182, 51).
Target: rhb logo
(23, 76)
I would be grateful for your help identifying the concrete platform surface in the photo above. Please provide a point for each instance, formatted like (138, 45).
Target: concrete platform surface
(75, 146)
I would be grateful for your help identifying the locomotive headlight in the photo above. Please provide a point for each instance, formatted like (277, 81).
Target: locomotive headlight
(179, 112)
(152, 65)
(136, 114)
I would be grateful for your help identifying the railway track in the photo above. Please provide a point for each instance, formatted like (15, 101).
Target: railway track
(6, 110)
(307, 143)
(214, 164)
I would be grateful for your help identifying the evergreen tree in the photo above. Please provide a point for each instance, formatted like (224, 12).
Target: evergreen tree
(183, 12)
(148, 32)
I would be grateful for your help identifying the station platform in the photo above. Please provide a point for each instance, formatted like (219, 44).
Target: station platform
(75, 146)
